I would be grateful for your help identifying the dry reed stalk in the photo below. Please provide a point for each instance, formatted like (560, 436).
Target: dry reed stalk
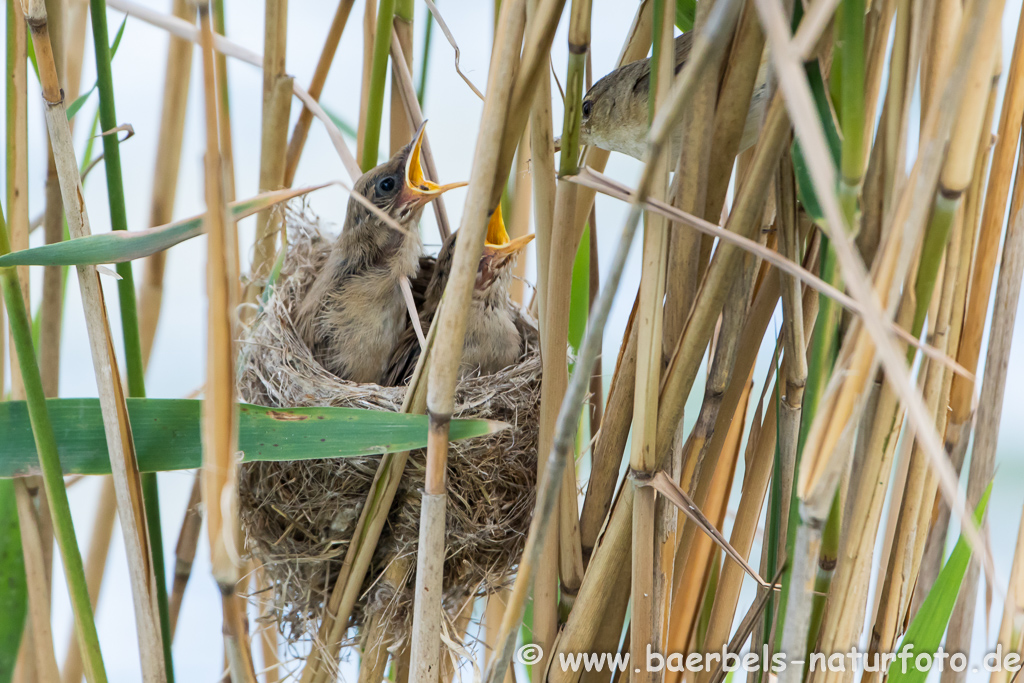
(610, 443)
(731, 112)
(451, 324)
(268, 633)
(277, 87)
(1009, 625)
(688, 594)
(919, 495)
(316, 87)
(564, 245)
(220, 68)
(400, 130)
(38, 584)
(95, 568)
(369, 30)
(494, 610)
(53, 226)
(413, 116)
(693, 168)
(972, 213)
(816, 477)
(165, 176)
(611, 440)
(219, 411)
(542, 149)
(115, 414)
(17, 161)
(649, 582)
(519, 220)
(982, 273)
(185, 550)
(989, 413)
(755, 486)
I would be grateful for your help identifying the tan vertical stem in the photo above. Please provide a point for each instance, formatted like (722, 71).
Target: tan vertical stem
(115, 414)
(451, 323)
(220, 420)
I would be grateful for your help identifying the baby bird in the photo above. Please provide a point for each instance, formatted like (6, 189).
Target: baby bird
(493, 341)
(616, 114)
(354, 313)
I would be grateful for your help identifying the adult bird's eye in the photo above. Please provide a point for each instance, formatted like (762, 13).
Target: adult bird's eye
(587, 105)
(386, 185)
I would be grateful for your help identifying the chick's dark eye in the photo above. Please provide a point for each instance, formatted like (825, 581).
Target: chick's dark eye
(587, 105)
(386, 185)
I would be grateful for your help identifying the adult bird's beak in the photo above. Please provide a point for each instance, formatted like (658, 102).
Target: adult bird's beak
(419, 190)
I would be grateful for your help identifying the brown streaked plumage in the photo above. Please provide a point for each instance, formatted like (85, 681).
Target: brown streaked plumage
(354, 313)
(492, 340)
(616, 112)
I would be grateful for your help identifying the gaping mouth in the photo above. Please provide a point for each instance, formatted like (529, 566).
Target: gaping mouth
(499, 250)
(418, 190)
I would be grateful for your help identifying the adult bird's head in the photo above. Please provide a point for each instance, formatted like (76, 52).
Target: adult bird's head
(398, 187)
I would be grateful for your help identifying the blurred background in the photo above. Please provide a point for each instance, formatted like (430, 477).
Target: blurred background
(177, 365)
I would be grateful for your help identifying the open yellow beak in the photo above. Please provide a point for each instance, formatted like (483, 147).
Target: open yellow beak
(506, 251)
(416, 185)
(496, 233)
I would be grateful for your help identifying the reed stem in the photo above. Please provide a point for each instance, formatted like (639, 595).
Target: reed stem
(49, 463)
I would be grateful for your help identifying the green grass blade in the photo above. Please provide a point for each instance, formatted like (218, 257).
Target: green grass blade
(926, 630)
(805, 188)
(124, 246)
(13, 589)
(167, 434)
(685, 11)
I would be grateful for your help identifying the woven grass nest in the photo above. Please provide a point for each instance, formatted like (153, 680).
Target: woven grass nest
(298, 516)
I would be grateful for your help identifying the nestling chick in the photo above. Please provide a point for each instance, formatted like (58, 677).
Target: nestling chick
(492, 340)
(616, 113)
(354, 313)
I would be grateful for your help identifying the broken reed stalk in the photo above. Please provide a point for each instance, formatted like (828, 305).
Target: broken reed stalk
(115, 415)
(648, 584)
(220, 419)
(49, 464)
(134, 363)
(177, 76)
(451, 324)
(316, 88)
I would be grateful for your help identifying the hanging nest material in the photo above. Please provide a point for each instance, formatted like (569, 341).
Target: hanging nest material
(298, 517)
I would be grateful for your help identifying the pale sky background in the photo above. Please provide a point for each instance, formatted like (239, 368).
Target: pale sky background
(177, 367)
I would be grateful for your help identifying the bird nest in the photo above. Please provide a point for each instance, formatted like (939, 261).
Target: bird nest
(298, 517)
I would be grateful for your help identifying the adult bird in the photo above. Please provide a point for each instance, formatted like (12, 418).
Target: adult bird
(354, 313)
(493, 340)
(616, 109)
